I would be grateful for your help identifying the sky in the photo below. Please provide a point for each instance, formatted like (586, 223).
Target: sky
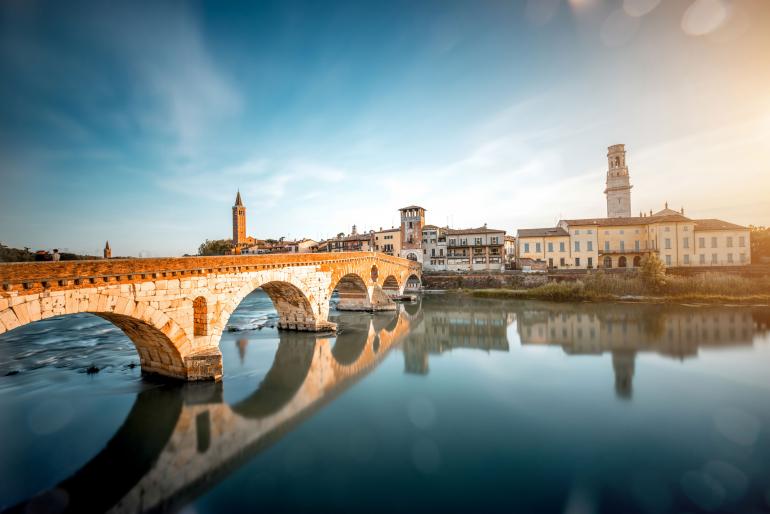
(137, 122)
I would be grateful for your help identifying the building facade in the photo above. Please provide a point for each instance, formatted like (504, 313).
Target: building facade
(388, 241)
(434, 247)
(623, 241)
(475, 249)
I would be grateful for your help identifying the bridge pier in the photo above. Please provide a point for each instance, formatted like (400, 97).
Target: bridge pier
(205, 364)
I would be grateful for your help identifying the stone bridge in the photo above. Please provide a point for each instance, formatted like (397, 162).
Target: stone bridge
(195, 439)
(174, 310)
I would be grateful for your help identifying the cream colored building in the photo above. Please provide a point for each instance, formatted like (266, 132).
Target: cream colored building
(623, 241)
(388, 241)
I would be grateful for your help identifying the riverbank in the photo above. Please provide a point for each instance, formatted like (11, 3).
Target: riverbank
(713, 288)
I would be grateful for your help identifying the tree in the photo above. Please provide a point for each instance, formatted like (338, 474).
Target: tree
(653, 272)
(760, 243)
(216, 247)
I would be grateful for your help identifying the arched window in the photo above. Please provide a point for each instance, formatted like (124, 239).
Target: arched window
(637, 261)
(608, 262)
(411, 257)
(200, 315)
(622, 261)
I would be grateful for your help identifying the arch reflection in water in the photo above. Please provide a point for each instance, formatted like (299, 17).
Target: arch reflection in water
(624, 330)
(178, 441)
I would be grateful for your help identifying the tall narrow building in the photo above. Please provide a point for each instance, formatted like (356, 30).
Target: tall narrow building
(618, 189)
(412, 221)
(107, 251)
(239, 222)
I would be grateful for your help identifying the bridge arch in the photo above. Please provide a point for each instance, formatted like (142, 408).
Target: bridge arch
(390, 285)
(353, 293)
(159, 341)
(413, 282)
(296, 311)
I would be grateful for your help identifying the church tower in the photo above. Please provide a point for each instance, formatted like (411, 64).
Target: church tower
(107, 251)
(239, 222)
(618, 189)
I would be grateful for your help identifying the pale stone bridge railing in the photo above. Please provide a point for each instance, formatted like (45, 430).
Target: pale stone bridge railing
(176, 444)
(175, 310)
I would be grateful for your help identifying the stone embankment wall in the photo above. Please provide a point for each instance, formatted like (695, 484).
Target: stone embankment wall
(521, 280)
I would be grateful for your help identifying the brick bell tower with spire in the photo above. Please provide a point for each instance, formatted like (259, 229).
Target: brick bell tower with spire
(239, 224)
(107, 251)
(619, 186)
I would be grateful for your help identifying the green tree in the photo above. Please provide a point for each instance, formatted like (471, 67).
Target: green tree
(653, 272)
(760, 243)
(216, 247)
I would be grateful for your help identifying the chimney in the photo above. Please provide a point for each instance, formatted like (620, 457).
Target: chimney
(682, 211)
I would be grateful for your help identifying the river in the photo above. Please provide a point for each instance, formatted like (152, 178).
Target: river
(450, 404)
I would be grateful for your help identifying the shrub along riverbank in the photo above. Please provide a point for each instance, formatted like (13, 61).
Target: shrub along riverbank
(707, 288)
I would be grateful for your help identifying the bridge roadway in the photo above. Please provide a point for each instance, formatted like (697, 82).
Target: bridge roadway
(177, 442)
(175, 309)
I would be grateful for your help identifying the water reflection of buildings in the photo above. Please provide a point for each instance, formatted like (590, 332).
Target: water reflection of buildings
(449, 325)
(625, 330)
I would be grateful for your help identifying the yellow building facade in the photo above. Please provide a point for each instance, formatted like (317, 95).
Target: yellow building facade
(623, 241)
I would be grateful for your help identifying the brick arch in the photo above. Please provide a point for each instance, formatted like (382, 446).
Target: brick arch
(390, 285)
(409, 276)
(296, 309)
(353, 292)
(159, 341)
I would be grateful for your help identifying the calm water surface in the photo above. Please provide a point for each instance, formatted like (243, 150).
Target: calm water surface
(450, 404)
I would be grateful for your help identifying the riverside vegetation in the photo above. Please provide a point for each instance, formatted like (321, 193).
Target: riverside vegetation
(649, 283)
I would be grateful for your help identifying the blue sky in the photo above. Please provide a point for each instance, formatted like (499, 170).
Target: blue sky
(138, 121)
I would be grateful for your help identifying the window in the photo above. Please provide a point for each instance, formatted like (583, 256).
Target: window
(432, 252)
(687, 258)
(668, 260)
(622, 246)
(702, 258)
(537, 247)
(577, 261)
(550, 247)
(701, 242)
(606, 246)
(526, 246)
(590, 246)
(441, 252)
(636, 245)
(589, 231)
(713, 242)
(577, 232)
(668, 244)
(741, 241)
(561, 262)
(730, 258)
(667, 229)
(495, 240)
(686, 242)
(606, 232)
(577, 246)
(561, 246)
(743, 257)
(729, 242)
(477, 241)
(590, 262)
(686, 228)
(453, 241)
(622, 231)
(713, 258)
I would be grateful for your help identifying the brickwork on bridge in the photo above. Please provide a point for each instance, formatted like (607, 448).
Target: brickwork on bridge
(175, 310)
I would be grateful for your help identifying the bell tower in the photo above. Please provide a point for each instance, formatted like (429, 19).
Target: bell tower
(618, 190)
(412, 221)
(239, 222)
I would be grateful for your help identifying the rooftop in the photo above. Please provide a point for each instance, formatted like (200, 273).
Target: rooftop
(409, 208)
(542, 232)
(715, 224)
(480, 230)
(633, 220)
